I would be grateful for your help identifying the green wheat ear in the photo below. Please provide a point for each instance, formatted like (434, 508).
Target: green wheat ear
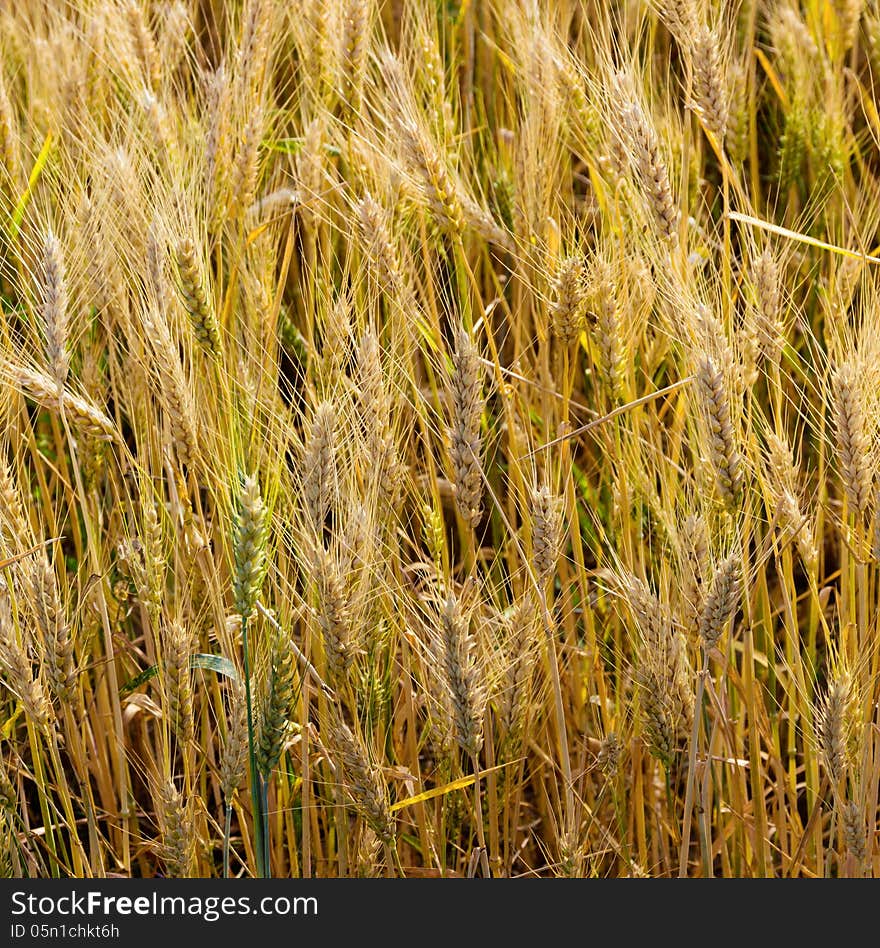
(250, 531)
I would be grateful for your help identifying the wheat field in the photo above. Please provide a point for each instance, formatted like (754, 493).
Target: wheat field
(439, 438)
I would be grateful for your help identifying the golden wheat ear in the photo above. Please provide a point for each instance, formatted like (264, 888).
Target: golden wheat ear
(466, 450)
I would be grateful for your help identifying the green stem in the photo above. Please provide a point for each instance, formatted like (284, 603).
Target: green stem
(256, 781)
(226, 831)
(264, 809)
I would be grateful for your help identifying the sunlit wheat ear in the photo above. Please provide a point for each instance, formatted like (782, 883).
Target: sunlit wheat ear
(781, 461)
(710, 87)
(724, 454)
(245, 168)
(848, 13)
(608, 332)
(482, 223)
(567, 299)
(768, 297)
(53, 307)
(375, 232)
(310, 174)
(276, 703)
(680, 16)
(180, 410)
(250, 536)
(53, 628)
(377, 411)
(43, 390)
(793, 521)
(178, 681)
(547, 532)
(144, 43)
(178, 834)
(256, 27)
(792, 38)
(195, 299)
(233, 759)
(455, 648)
(318, 53)
(854, 450)
(319, 466)
(361, 780)
(836, 716)
(572, 855)
(437, 186)
(355, 36)
(721, 602)
(650, 168)
(465, 439)
(173, 36)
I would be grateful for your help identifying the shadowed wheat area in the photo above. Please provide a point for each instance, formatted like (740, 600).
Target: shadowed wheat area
(439, 439)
